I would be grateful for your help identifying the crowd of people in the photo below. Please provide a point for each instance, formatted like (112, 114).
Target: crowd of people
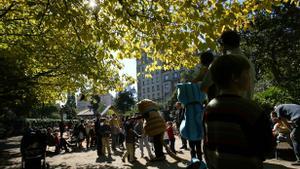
(215, 111)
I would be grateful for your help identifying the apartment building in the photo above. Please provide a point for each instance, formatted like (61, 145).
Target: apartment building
(158, 88)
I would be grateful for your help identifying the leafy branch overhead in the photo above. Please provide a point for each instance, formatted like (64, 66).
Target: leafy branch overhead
(66, 45)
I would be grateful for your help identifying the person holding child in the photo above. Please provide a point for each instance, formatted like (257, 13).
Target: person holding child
(237, 132)
(230, 45)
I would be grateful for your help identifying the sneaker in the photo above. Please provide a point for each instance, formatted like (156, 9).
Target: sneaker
(296, 163)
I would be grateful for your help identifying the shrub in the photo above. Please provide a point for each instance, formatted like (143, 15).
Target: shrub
(272, 96)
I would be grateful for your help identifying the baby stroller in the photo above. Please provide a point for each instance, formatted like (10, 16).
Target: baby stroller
(33, 150)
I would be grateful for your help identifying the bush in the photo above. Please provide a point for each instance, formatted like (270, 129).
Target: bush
(10, 124)
(272, 96)
(44, 123)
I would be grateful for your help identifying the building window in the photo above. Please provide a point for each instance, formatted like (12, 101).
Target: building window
(153, 96)
(153, 89)
(148, 89)
(166, 77)
(176, 75)
(143, 83)
(157, 87)
(143, 90)
(167, 88)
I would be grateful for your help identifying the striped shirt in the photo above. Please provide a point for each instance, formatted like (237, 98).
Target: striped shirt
(237, 133)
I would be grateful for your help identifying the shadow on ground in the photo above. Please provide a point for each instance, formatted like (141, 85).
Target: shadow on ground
(88, 166)
(286, 154)
(158, 164)
(275, 166)
(136, 165)
(9, 149)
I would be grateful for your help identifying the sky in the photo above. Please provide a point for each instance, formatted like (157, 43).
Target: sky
(129, 69)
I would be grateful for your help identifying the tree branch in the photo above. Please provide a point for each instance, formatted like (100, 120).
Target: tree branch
(5, 11)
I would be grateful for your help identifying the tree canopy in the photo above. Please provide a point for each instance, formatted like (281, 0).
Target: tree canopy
(125, 100)
(273, 43)
(63, 46)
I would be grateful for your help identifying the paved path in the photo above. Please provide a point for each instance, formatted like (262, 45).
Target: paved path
(10, 158)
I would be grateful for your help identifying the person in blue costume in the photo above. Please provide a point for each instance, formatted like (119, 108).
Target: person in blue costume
(191, 127)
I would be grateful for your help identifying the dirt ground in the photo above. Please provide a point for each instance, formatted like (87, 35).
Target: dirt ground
(10, 157)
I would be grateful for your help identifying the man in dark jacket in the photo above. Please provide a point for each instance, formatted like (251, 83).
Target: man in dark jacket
(98, 135)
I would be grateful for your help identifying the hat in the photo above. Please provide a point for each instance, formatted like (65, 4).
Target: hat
(147, 105)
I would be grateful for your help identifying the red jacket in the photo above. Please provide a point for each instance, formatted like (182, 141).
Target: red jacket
(170, 133)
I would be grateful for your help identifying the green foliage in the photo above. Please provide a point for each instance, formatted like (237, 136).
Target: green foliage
(56, 115)
(69, 111)
(273, 96)
(58, 47)
(110, 112)
(44, 110)
(10, 124)
(47, 122)
(95, 102)
(71, 100)
(273, 44)
(16, 90)
(124, 101)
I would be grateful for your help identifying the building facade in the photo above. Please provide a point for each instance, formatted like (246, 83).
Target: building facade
(160, 86)
(83, 105)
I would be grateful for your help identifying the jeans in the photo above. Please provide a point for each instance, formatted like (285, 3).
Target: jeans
(147, 145)
(295, 137)
(195, 149)
(99, 145)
